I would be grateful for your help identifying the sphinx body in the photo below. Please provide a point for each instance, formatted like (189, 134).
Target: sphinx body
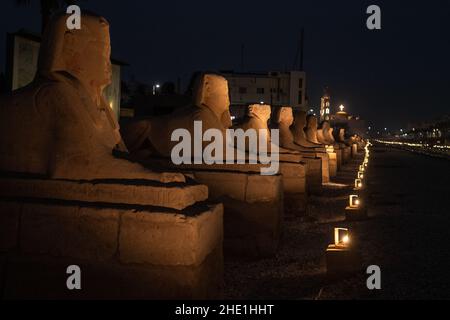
(256, 119)
(152, 137)
(311, 130)
(60, 126)
(325, 136)
(316, 159)
(299, 131)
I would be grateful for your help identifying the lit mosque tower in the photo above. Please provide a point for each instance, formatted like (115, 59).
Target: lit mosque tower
(325, 106)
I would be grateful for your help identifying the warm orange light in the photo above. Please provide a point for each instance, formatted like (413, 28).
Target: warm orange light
(354, 201)
(341, 237)
(346, 239)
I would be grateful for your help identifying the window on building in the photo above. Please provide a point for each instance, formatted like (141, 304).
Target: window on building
(300, 83)
(327, 111)
(242, 90)
(260, 90)
(300, 97)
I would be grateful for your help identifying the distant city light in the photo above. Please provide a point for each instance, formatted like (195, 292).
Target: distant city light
(341, 107)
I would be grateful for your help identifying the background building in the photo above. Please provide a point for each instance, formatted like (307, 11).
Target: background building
(325, 106)
(274, 88)
(339, 118)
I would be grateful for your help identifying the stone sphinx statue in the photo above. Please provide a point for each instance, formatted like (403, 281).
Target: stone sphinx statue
(325, 134)
(284, 122)
(311, 129)
(300, 136)
(152, 137)
(257, 118)
(83, 204)
(341, 137)
(60, 126)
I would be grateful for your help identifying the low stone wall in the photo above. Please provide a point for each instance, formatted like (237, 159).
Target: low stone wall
(332, 162)
(254, 204)
(142, 192)
(313, 174)
(123, 253)
(254, 209)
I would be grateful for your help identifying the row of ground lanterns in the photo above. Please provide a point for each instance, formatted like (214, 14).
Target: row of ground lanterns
(342, 257)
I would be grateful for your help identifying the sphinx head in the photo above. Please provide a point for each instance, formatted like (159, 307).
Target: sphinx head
(260, 111)
(326, 126)
(83, 53)
(285, 116)
(300, 120)
(211, 91)
(311, 121)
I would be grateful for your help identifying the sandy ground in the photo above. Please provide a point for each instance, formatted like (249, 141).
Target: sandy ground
(407, 235)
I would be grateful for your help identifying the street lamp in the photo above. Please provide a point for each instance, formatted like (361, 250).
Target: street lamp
(156, 88)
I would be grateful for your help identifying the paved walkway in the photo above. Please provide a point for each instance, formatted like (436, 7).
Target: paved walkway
(408, 236)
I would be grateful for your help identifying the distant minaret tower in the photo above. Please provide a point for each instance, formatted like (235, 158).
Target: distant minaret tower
(325, 105)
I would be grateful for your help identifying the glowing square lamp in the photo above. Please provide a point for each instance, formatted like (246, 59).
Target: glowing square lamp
(341, 237)
(355, 202)
(356, 210)
(341, 257)
(358, 184)
(360, 175)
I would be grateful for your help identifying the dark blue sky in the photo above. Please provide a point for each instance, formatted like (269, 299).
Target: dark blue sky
(391, 77)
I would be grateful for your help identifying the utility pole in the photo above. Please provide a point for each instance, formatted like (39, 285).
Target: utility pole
(242, 57)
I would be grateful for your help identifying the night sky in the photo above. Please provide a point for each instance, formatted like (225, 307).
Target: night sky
(389, 77)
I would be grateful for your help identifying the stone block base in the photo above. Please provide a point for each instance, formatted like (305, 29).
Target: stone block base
(339, 158)
(342, 261)
(332, 161)
(354, 150)
(313, 174)
(124, 253)
(356, 214)
(254, 210)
